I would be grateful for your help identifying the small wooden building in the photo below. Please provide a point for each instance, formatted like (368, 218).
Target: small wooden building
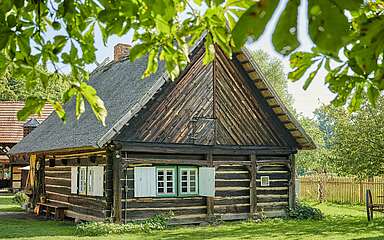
(215, 143)
(11, 132)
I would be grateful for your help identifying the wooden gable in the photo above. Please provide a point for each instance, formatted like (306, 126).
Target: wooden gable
(209, 104)
(181, 113)
(242, 116)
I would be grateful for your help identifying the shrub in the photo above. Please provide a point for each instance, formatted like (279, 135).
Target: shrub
(304, 211)
(20, 198)
(157, 222)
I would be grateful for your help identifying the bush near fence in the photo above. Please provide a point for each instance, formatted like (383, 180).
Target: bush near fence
(346, 190)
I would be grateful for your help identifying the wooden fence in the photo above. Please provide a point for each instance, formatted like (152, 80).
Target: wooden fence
(340, 189)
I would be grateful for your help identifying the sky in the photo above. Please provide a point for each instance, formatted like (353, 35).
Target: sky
(305, 101)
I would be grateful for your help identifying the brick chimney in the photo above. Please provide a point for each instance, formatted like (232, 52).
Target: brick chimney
(29, 126)
(121, 51)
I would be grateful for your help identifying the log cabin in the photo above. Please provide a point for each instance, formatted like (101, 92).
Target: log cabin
(216, 143)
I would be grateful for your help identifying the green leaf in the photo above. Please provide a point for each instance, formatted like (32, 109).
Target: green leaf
(373, 93)
(138, 51)
(80, 106)
(152, 63)
(33, 105)
(69, 94)
(253, 22)
(328, 26)
(11, 20)
(19, 3)
(209, 50)
(56, 25)
(94, 101)
(284, 37)
(300, 62)
(24, 45)
(59, 110)
(59, 43)
(312, 76)
(4, 37)
(162, 25)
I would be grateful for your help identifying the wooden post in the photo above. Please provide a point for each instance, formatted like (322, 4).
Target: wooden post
(253, 192)
(116, 173)
(361, 192)
(210, 200)
(292, 182)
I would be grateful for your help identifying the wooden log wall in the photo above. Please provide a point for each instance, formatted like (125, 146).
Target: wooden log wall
(273, 200)
(232, 199)
(186, 210)
(58, 186)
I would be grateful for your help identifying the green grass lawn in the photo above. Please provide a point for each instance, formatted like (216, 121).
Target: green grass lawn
(341, 223)
(6, 204)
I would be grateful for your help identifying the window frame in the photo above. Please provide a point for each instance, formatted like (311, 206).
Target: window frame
(90, 191)
(174, 181)
(265, 183)
(188, 193)
(79, 182)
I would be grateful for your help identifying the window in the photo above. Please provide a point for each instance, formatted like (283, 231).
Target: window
(91, 180)
(87, 180)
(83, 180)
(174, 181)
(188, 178)
(264, 181)
(166, 184)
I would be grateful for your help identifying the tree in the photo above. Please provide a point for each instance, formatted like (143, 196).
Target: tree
(274, 71)
(63, 32)
(14, 89)
(348, 143)
(357, 142)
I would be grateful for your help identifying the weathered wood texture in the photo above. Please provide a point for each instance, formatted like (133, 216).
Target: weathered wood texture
(181, 113)
(232, 198)
(241, 119)
(209, 104)
(58, 187)
(233, 188)
(272, 200)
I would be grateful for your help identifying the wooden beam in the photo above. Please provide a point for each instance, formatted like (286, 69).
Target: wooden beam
(292, 182)
(253, 192)
(166, 161)
(116, 169)
(203, 149)
(210, 200)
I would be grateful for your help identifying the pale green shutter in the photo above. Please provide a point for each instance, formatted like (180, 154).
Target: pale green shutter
(74, 180)
(98, 180)
(207, 181)
(145, 181)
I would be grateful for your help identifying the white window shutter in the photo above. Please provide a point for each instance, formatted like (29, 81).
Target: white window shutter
(207, 181)
(74, 180)
(145, 181)
(98, 188)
